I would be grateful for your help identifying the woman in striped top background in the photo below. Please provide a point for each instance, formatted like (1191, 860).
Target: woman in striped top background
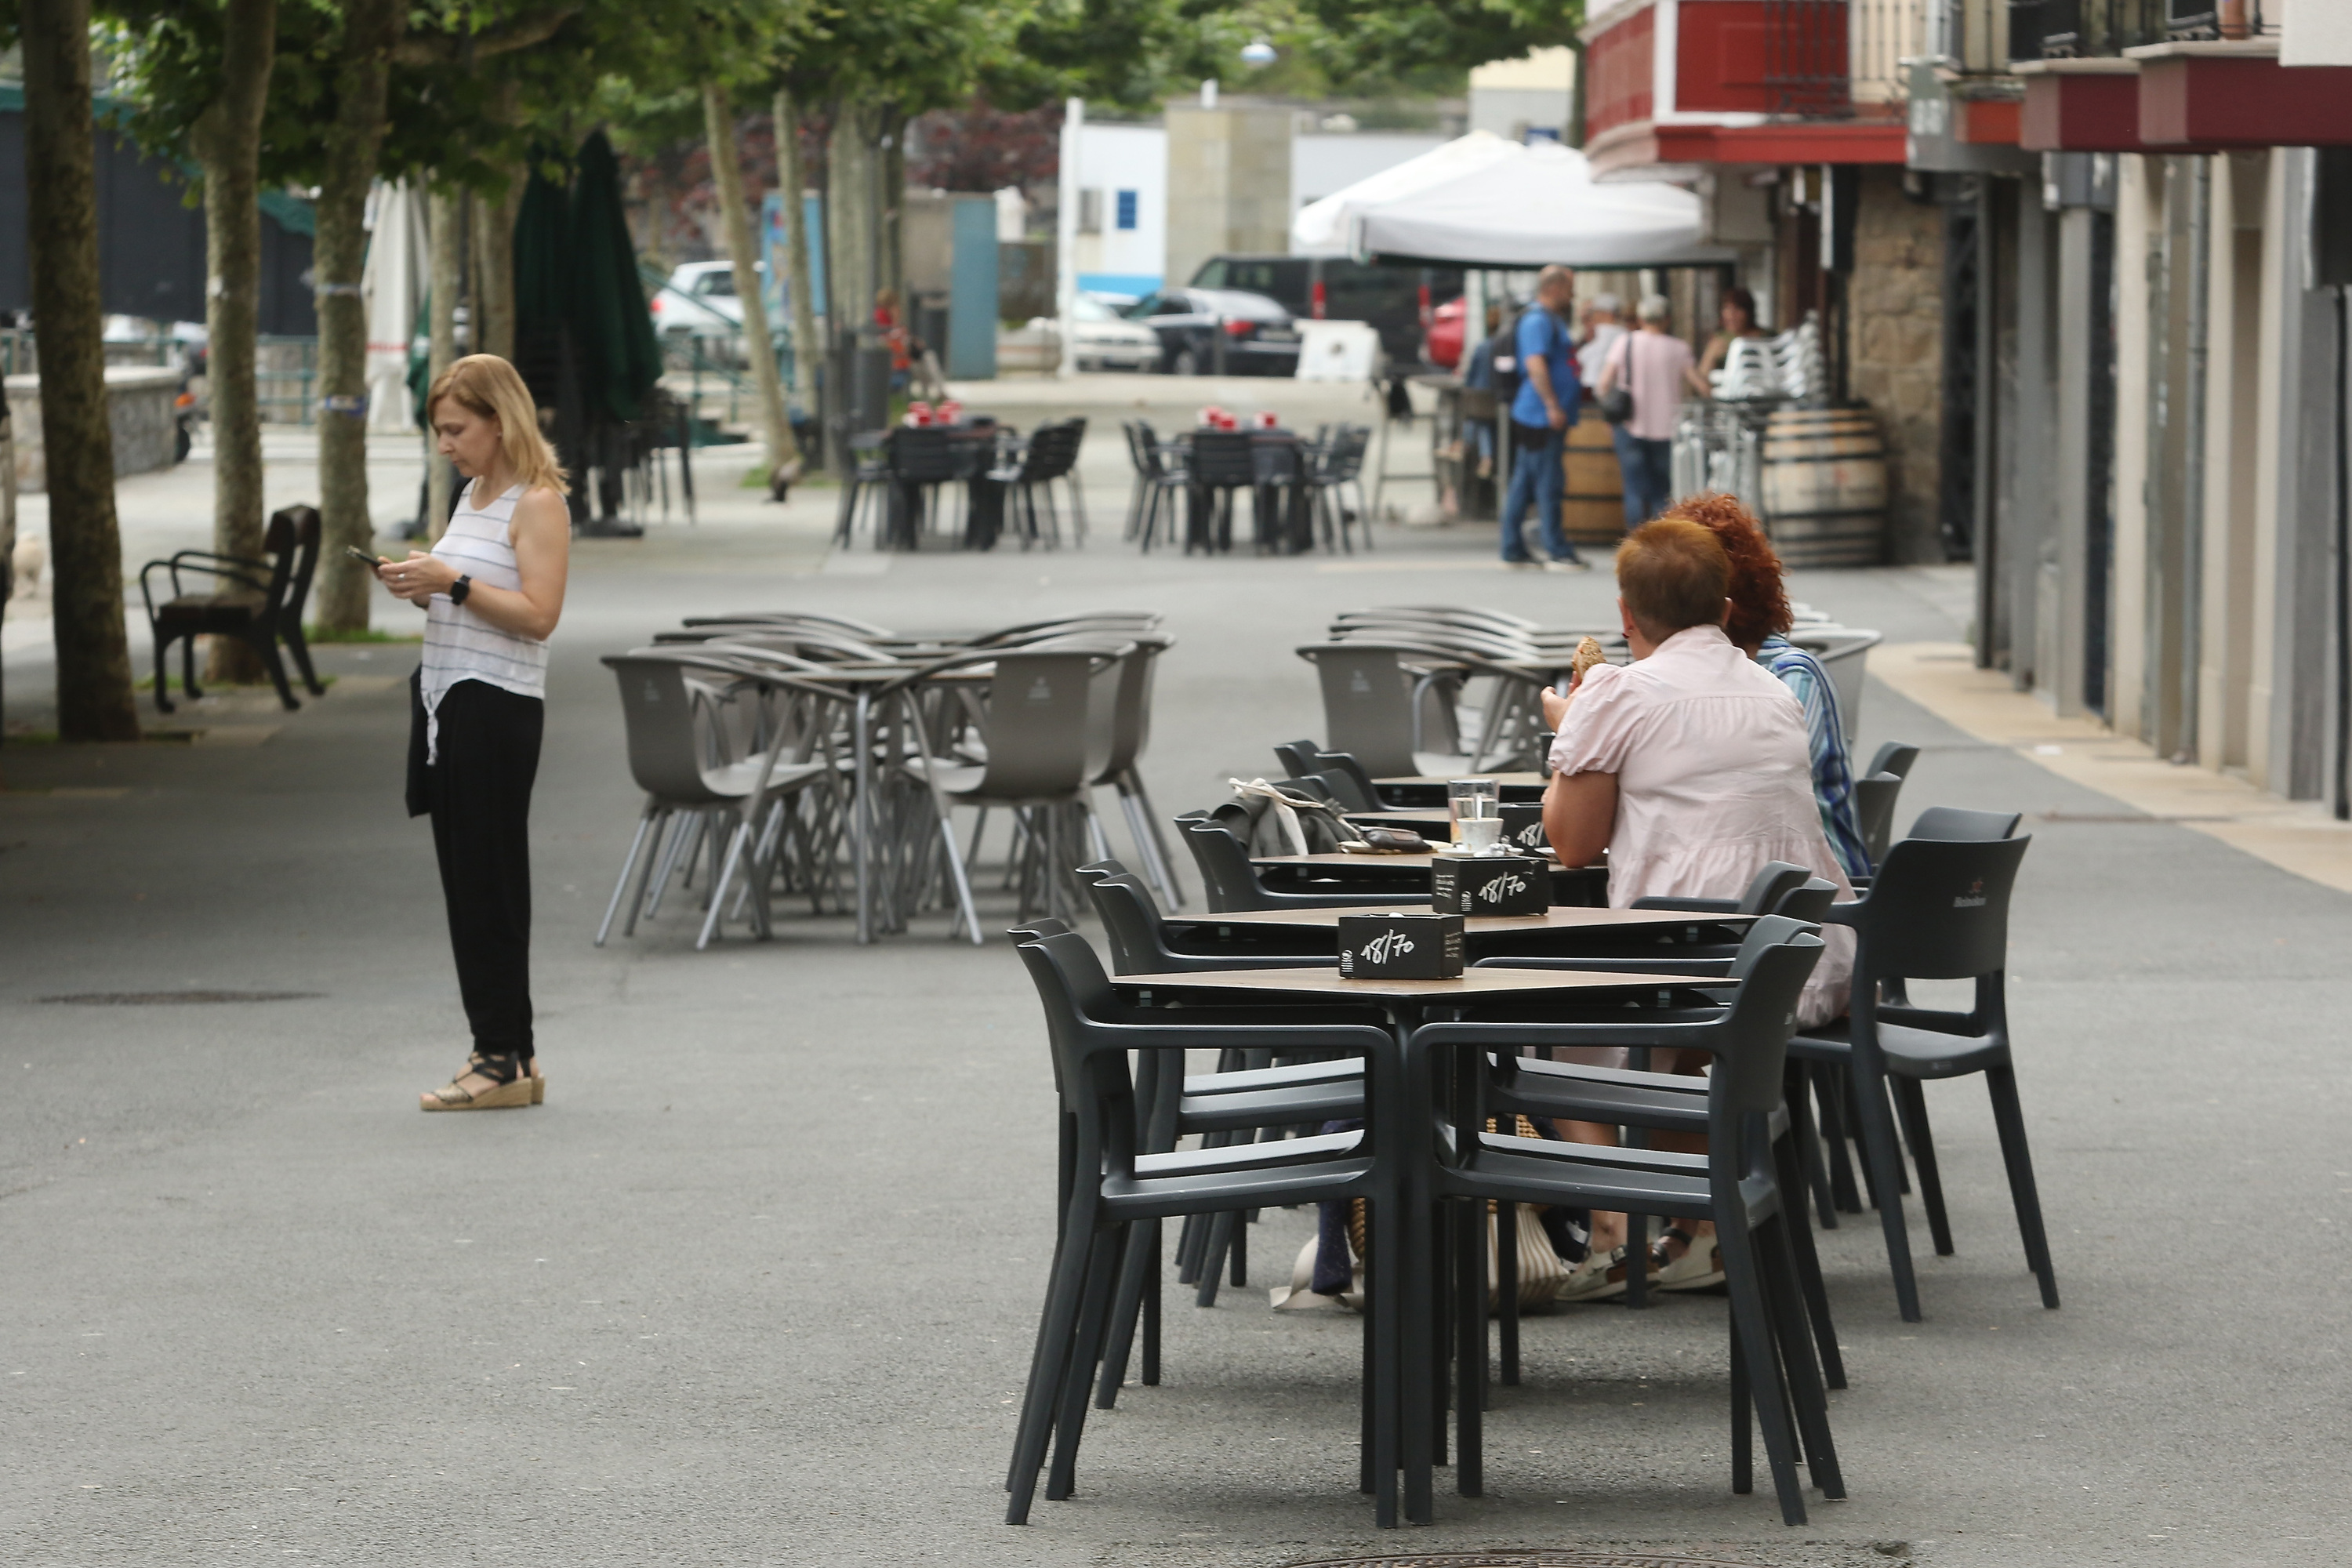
(492, 590)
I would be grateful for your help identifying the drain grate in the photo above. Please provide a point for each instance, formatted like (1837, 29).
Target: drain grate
(175, 998)
(1529, 1560)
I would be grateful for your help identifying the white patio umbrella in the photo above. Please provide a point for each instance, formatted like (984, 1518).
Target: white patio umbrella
(1321, 228)
(392, 284)
(1522, 207)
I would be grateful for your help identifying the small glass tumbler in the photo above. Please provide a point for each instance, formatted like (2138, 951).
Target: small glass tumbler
(1478, 836)
(1467, 800)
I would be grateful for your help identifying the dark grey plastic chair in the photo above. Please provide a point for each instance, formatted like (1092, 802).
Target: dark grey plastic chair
(1111, 1189)
(1737, 1184)
(1369, 698)
(1232, 883)
(1937, 911)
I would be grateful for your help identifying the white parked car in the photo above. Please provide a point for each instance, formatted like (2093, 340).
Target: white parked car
(700, 300)
(1107, 341)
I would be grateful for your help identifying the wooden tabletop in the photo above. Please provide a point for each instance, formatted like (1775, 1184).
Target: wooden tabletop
(1424, 815)
(1513, 781)
(1327, 981)
(1560, 917)
(1413, 862)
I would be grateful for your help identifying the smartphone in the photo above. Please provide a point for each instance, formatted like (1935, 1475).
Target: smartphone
(362, 557)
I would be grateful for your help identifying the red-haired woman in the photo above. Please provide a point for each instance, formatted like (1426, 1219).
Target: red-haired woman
(1759, 622)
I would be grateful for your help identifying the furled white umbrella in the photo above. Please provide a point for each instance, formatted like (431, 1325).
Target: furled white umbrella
(1526, 206)
(392, 284)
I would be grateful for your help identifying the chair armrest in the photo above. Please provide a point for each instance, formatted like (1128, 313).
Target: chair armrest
(1933, 1020)
(1693, 906)
(1354, 1038)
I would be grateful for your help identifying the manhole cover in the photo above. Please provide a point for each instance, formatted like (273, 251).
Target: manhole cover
(1529, 1560)
(175, 998)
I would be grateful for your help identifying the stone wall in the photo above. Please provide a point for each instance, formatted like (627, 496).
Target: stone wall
(1895, 312)
(141, 399)
(1228, 182)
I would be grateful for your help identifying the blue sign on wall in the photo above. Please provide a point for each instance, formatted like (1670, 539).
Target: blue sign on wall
(1127, 210)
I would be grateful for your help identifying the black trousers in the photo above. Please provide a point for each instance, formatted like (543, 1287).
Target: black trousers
(478, 795)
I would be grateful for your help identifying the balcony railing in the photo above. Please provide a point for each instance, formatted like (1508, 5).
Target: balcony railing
(2081, 29)
(1886, 32)
(1807, 63)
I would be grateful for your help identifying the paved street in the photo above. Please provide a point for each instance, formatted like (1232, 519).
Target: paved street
(758, 1284)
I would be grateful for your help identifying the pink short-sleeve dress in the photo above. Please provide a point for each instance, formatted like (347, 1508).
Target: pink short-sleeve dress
(1712, 781)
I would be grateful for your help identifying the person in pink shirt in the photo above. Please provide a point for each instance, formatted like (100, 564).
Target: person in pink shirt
(1654, 365)
(1690, 768)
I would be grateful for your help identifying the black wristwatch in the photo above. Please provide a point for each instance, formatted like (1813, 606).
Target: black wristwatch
(460, 589)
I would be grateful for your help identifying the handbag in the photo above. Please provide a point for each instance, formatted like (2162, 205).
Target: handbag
(1617, 402)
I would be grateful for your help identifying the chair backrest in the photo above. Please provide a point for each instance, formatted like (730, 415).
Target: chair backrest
(1366, 705)
(1225, 869)
(1130, 919)
(1938, 910)
(1223, 457)
(293, 541)
(1960, 824)
(1340, 765)
(1763, 934)
(1095, 1086)
(865, 630)
(1132, 713)
(1895, 757)
(657, 710)
(1768, 885)
(1744, 1085)
(1296, 757)
(1309, 787)
(1808, 901)
(1048, 724)
(923, 455)
(1874, 811)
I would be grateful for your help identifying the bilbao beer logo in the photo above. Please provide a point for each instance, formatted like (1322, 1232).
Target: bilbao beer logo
(1974, 898)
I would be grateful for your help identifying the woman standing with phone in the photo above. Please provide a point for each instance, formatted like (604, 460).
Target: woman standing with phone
(492, 590)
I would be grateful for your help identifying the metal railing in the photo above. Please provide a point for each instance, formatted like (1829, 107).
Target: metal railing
(1883, 35)
(1808, 67)
(2084, 29)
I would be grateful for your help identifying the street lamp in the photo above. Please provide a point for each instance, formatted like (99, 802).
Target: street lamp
(1257, 52)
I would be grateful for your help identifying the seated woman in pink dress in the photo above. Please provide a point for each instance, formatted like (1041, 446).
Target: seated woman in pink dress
(1689, 766)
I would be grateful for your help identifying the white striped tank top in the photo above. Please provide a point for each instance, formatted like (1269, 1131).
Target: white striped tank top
(459, 644)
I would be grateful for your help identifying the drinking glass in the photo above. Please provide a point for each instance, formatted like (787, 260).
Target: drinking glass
(1478, 836)
(1467, 800)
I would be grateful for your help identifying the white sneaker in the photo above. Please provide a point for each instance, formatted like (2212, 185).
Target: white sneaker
(1558, 564)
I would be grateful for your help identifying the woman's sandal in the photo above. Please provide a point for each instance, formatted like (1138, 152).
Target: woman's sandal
(1699, 1268)
(501, 1081)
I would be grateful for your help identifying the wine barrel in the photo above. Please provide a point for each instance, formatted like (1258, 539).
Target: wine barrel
(1824, 484)
(1593, 510)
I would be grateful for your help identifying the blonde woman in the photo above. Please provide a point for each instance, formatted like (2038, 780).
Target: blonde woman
(492, 591)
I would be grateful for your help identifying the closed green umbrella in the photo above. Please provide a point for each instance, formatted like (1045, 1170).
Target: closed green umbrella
(620, 357)
(541, 284)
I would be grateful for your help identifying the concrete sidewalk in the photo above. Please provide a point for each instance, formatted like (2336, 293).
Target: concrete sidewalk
(758, 1284)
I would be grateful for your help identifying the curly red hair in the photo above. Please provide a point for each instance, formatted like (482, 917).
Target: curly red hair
(1760, 603)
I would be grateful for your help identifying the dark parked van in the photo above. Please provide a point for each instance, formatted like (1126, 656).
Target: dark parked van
(1394, 300)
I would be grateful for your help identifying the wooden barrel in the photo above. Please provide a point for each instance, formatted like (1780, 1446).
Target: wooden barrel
(1825, 486)
(1593, 510)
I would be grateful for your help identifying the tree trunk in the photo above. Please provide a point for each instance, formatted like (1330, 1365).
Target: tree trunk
(226, 140)
(94, 700)
(362, 69)
(494, 266)
(850, 280)
(791, 182)
(759, 347)
(442, 208)
(891, 137)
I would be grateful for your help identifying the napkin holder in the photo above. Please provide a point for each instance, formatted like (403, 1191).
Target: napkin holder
(1401, 947)
(1523, 831)
(1488, 884)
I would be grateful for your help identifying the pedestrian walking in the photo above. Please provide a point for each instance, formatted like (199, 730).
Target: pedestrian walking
(492, 590)
(1546, 406)
(1655, 367)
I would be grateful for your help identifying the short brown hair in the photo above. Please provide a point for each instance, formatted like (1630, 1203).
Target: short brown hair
(1759, 602)
(1672, 573)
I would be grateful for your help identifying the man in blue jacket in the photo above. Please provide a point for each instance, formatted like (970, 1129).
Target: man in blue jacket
(1546, 405)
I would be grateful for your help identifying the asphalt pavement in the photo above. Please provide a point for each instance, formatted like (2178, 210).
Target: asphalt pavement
(757, 1285)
